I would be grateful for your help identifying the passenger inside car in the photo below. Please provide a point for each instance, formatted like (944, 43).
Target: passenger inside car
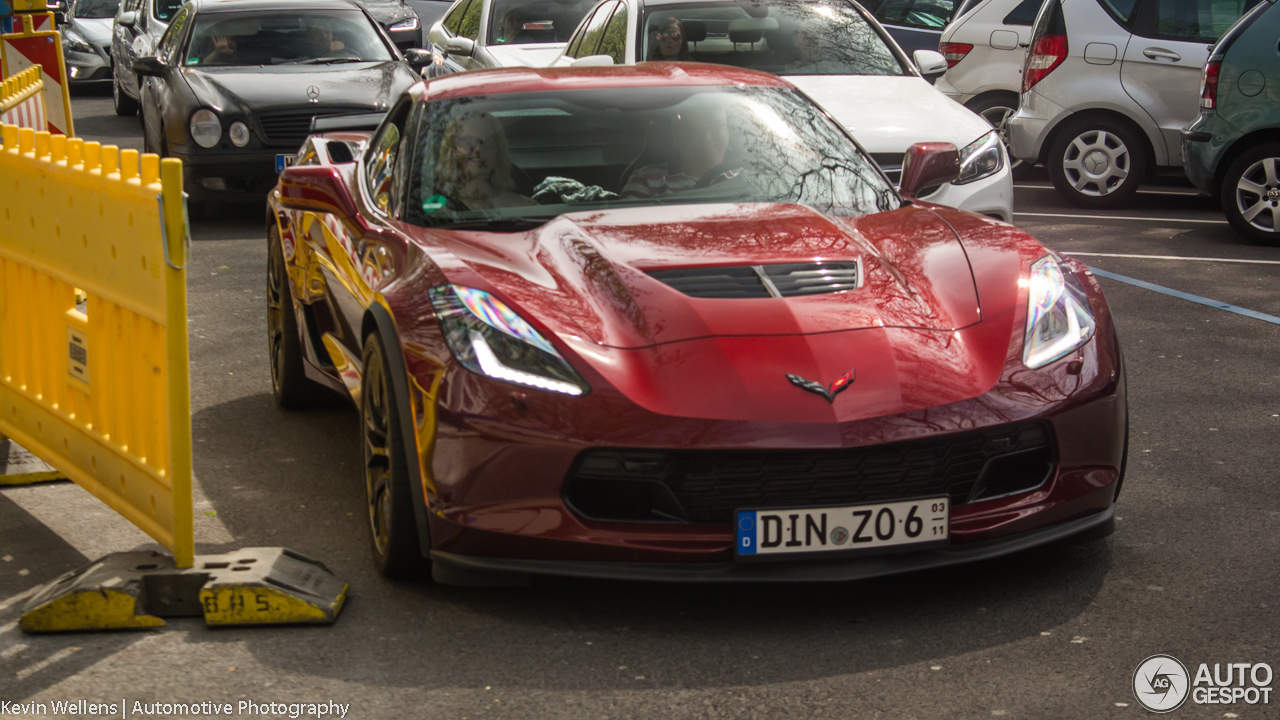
(473, 165)
(670, 43)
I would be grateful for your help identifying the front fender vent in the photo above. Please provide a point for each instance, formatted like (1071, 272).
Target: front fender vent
(762, 281)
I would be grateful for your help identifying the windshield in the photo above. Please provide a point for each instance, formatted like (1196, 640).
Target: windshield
(532, 156)
(785, 37)
(275, 38)
(541, 21)
(163, 10)
(96, 9)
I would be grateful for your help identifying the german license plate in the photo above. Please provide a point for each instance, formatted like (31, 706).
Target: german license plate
(284, 161)
(834, 529)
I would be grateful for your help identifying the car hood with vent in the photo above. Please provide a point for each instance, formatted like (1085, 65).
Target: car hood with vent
(373, 85)
(622, 279)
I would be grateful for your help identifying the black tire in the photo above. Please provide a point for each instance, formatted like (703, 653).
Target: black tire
(996, 110)
(292, 388)
(1251, 194)
(393, 529)
(125, 105)
(1097, 163)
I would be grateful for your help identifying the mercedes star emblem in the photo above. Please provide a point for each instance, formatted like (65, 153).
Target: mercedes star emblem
(313, 93)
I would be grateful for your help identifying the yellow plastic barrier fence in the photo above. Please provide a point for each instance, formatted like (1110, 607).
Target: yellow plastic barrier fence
(22, 99)
(94, 381)
(99, 391)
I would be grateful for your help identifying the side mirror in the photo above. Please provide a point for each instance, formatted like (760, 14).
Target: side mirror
(460, 46)
(927, 165)
(319, 188)
(929, 62)
(592, 61)
(128, 19)
(418, 58)
(149, 66)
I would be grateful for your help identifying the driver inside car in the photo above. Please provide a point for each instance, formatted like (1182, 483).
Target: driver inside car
(320, 40)
(700, 136)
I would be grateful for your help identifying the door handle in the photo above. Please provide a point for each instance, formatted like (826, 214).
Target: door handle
(1161, 54)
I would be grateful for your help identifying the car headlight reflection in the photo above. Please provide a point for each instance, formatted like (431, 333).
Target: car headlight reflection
(981, 158)
(239, 134)
(406, 24)
(490, 339)
(206, 128)
(1059, 319)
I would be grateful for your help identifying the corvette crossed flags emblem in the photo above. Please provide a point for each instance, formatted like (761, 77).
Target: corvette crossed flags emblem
(827, 391)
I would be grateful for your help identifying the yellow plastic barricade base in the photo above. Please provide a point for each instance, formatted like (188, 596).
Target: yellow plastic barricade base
(20, 467)
(132, 590)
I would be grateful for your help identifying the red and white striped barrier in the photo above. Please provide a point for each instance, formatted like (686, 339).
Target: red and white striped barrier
(43, 48)
(22, 100)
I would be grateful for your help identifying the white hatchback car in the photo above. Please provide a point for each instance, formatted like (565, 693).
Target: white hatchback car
(836, 53)
(479, 34)
(1108, 87)
(985, 47)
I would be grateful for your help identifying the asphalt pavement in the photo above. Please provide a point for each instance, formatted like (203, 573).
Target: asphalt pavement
(1057, 632)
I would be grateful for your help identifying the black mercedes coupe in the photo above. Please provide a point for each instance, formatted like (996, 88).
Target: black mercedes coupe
(235, 84)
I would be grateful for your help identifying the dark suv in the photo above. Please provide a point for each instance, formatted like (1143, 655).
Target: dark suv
(1233, 148)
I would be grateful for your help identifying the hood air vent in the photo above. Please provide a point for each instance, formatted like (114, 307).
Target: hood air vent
(762, 281)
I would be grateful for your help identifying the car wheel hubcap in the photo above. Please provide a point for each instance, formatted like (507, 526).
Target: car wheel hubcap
(1258, 195)
(1096, 163)
(998, 118)
(275, 316)
(375, 427)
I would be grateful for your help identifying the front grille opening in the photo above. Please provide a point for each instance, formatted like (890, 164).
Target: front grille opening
(708, 486)
(1015, 473)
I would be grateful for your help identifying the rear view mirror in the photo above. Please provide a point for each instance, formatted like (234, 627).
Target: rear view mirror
(592, 61)
(460, 46)
(149, 66)
(928, 165)
(929, 62)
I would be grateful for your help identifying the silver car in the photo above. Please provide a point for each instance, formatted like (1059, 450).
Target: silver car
(479, 34)
(86, 41)
(1107, 88)
(135, 34)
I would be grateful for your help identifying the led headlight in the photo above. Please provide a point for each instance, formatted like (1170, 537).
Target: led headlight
(406, 24)
(1058, 316)
(981, 158)
(489, 338)
(239, 134)
(206, 128)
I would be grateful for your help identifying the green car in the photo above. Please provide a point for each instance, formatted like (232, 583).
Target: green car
(1233, 149)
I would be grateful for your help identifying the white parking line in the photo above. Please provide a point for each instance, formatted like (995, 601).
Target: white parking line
(1120, 217)
(1140, 192)
(1175, 257)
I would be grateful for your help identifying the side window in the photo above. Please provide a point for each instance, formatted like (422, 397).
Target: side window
(591, 34)
(1201, 21)
(453, 20)
(1024, 14)
(171, 43)
(380, 159)
(614, 41)
(923, 14)
(576, 40)
(470, 26)
(1122, 10)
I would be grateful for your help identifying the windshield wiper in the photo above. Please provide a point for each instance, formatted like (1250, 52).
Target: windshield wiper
(330, 61)
(505, 224)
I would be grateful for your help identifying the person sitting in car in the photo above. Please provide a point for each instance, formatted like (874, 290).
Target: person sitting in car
(473, 165)
(812, 54)
(320, 40)
(670, 44)
(512, 25)
(700, 135)
(224, 51)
